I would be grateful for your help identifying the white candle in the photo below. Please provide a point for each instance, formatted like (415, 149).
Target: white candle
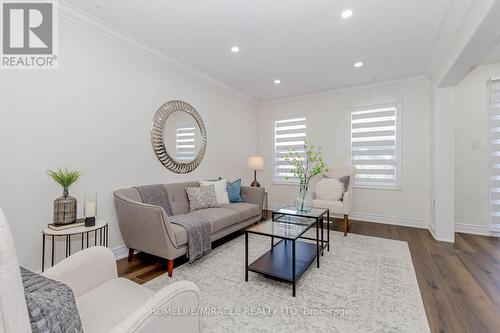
(90, 209)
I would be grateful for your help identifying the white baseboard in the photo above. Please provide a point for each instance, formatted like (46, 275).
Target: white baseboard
(475, 230)
(394, 220)
(120, 252)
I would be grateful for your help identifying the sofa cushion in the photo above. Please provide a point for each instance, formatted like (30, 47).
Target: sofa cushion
(201, 197)
(219, 218)
(178, 198)
(106, 306)
(246, 210)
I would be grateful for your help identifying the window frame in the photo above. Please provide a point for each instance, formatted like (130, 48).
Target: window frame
(397, 185)
(279, 181)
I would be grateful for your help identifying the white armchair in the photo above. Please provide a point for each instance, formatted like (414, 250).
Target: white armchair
(339, 207)
(106, 303)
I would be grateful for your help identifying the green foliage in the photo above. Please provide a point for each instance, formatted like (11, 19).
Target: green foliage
(305, 168)
(65, 177)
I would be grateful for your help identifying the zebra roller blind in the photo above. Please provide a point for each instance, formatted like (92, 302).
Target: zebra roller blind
(288, 134)
(185, 146)
(374, 146)
(495, 153)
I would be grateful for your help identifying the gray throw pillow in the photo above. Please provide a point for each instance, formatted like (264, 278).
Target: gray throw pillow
(51, 304)
(201, 197)
(344, 180)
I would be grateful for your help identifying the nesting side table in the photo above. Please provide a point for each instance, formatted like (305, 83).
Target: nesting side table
(100, 233)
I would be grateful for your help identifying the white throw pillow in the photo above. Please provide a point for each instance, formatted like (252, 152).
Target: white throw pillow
(329, 189)
(220, 190)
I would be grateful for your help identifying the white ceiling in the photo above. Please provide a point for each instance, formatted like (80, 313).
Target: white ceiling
(304, 43)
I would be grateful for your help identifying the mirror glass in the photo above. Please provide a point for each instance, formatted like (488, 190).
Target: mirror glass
(182, 137)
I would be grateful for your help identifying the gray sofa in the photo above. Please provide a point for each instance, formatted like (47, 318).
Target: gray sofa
(147, 228)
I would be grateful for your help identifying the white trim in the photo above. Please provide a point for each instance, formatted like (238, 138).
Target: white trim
(366, 217)
(120, 252)
(83, 18)
(475, 229)
(448, 240)
(345, 89)
(394, 220)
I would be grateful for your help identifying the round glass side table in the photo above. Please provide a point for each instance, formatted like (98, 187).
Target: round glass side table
(99, 231)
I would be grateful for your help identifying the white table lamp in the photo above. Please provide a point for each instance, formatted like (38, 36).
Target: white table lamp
(255, 163)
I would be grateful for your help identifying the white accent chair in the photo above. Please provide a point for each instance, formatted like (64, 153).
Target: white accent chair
(338, 207)
(106, 303)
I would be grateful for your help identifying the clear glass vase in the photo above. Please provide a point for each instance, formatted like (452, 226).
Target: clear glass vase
(303, 202)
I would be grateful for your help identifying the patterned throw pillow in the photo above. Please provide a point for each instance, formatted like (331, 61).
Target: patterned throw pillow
(201, 197)
(220, 190)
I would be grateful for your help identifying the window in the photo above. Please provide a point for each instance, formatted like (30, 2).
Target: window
(185, 143)
(288, 134)
(374, 146)
(495, 153)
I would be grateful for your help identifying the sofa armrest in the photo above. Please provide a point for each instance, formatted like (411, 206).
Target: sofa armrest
(144, 227)
(347, 202)
(85, 270)
(251, 194)
(172, 309)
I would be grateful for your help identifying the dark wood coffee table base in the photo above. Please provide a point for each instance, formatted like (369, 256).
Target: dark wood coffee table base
(278, 261)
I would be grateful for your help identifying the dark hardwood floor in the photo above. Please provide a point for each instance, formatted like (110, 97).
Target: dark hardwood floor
(459, 283)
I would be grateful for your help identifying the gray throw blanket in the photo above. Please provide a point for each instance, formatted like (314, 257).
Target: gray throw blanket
(198, 233)
(155, 195)
(197, 229)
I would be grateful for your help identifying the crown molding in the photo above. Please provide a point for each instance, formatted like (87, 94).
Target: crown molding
(89, 21)
(345, 89)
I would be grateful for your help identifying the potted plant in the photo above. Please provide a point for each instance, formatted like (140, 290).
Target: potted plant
(65, 206)
(305, 167)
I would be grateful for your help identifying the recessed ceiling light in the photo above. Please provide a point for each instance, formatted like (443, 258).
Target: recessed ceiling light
(235, 49)
(358, 64)
(346, 13)
(277, 81)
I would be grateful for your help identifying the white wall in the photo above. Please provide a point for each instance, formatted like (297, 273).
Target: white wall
(328, 126)
(442, 223)
(94, 113)
(472, 150)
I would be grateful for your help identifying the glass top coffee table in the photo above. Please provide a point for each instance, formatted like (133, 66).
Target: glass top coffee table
(289, 258)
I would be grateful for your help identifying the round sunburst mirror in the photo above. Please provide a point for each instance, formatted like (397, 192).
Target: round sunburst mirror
(178, 136)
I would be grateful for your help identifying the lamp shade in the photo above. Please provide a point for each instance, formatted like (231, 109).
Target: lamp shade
(255, 163)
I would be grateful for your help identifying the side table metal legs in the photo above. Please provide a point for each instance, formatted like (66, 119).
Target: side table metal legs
(43, 251)
(103, 241)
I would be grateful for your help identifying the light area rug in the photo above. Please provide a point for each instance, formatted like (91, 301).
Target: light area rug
(364, 284)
